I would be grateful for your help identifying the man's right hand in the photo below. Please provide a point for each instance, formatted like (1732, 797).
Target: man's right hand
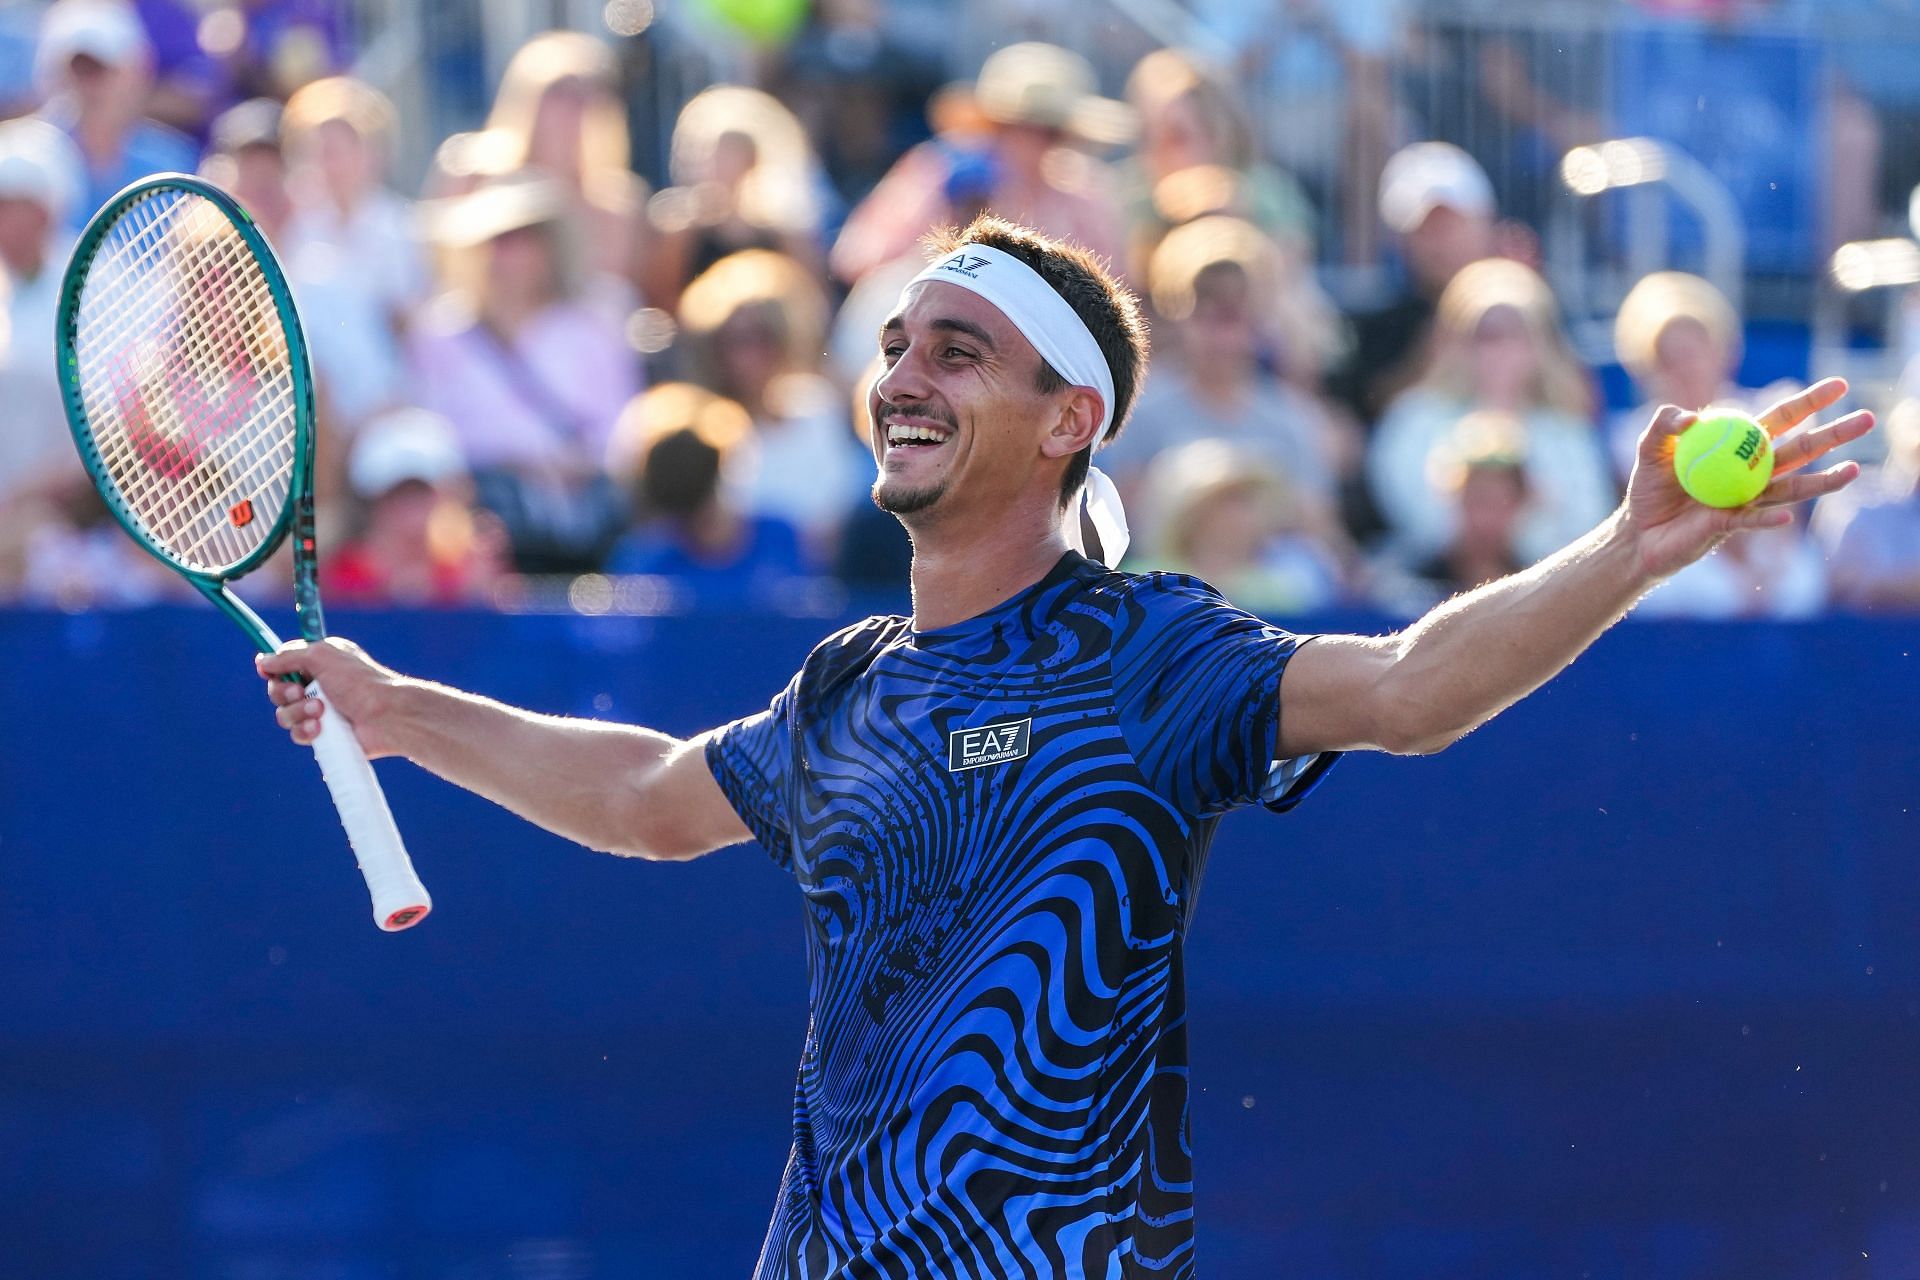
(614, 787)
(359, 687)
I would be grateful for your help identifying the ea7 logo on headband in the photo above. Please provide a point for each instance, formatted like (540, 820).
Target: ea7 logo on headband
(964, 264)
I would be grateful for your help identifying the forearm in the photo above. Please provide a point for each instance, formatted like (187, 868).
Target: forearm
(1474, 656)
(582, 779)
(1478, 654)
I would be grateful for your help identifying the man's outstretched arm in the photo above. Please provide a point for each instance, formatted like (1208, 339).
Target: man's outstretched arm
(616, 788)
(1478, 654)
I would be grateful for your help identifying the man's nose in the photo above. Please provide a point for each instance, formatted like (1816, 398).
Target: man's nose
(905, 380)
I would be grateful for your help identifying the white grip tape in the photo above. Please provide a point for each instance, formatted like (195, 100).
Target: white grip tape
(399, 899)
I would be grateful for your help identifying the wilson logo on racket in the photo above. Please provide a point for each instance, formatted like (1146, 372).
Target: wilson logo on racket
(241, 513)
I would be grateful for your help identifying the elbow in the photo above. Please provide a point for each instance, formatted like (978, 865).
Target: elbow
(1419, 741)
(1407, 726)
(652, 837)
(624, 847)
(649, 855)
(639, 819)
(646, 846)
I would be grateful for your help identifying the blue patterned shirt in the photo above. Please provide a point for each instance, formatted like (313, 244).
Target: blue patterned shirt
(999, 828)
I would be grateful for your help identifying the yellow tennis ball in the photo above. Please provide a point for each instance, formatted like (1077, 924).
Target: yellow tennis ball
(1725, 459)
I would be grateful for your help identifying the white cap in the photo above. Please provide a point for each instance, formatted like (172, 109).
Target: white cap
(108, 31)
(1427, 175)
(401, 445)
(38, 163)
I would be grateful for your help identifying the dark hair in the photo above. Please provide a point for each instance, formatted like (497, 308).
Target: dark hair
(1107, 307)
(680, 476)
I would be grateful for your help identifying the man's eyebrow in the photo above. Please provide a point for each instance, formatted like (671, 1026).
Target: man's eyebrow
(972, 330)
(952, 324)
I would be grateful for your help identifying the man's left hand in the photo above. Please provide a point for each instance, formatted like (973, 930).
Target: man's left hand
(1671, 530)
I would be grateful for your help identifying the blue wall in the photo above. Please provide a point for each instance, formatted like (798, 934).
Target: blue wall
(1627, 984)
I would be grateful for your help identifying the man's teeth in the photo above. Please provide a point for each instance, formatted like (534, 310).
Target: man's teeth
(899, 433)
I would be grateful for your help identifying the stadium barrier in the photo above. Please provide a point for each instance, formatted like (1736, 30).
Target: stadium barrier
(1626, 983)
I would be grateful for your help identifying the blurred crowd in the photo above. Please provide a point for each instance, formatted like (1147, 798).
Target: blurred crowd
(533, 361)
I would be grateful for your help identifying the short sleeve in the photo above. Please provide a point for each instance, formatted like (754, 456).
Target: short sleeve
(1197, 686)
(752, 760)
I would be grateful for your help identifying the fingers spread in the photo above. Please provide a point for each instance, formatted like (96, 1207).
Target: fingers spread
(1791, 489)
(1794, 410)
(1815, 442)
(1758, 517)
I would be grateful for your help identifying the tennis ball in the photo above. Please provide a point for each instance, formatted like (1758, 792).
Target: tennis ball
(1725, 459)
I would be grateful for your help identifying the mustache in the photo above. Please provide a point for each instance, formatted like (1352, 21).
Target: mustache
(926, 411)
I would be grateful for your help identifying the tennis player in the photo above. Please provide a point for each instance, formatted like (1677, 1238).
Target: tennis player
(998, 810)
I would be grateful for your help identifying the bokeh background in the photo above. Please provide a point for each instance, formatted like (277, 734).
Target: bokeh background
(1625, 985)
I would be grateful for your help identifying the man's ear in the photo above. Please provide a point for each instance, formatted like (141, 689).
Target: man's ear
(1077, 425)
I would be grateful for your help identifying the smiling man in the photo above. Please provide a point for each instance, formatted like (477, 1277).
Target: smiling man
(998, 810)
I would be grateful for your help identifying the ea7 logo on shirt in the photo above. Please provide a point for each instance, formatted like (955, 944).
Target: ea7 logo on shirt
(993, 744)
(965, 264)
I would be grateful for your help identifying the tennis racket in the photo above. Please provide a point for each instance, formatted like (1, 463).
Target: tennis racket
(187, 386)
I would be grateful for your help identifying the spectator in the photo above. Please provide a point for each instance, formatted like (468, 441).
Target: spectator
(1497, 346)
(531, 376)
(875, 555)
(351, 248)
(1440, 205)
(559, 113)
(1225, 516)
(1515, 102)
(963, 135)
(1323, 74)
(39, 481)
(861, 92)
(68, 552)
(744, 178)
(1197, 156)
(1036, 102)
(209, 57)
(39, 181)
(245, 159)
(1231, 300)
(422, 542)
(753, 326)
(1679, 338)
(671, 448)
(96, 66)
(1870, 137)
(1872, 538)
(1763, 573)
(1484, 468)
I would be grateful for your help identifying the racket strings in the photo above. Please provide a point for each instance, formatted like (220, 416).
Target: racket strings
(166, 465)
(187, 380)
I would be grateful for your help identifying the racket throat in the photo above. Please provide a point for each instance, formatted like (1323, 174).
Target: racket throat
(234, 607)
(306, 586)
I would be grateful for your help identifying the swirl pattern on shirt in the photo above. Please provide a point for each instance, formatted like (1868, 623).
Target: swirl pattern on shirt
(994, 1078)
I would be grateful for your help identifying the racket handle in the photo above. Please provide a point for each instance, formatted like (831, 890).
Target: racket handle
(399, 899)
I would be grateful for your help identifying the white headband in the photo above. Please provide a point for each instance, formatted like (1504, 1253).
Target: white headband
(1042, 316)
(1063, 340)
